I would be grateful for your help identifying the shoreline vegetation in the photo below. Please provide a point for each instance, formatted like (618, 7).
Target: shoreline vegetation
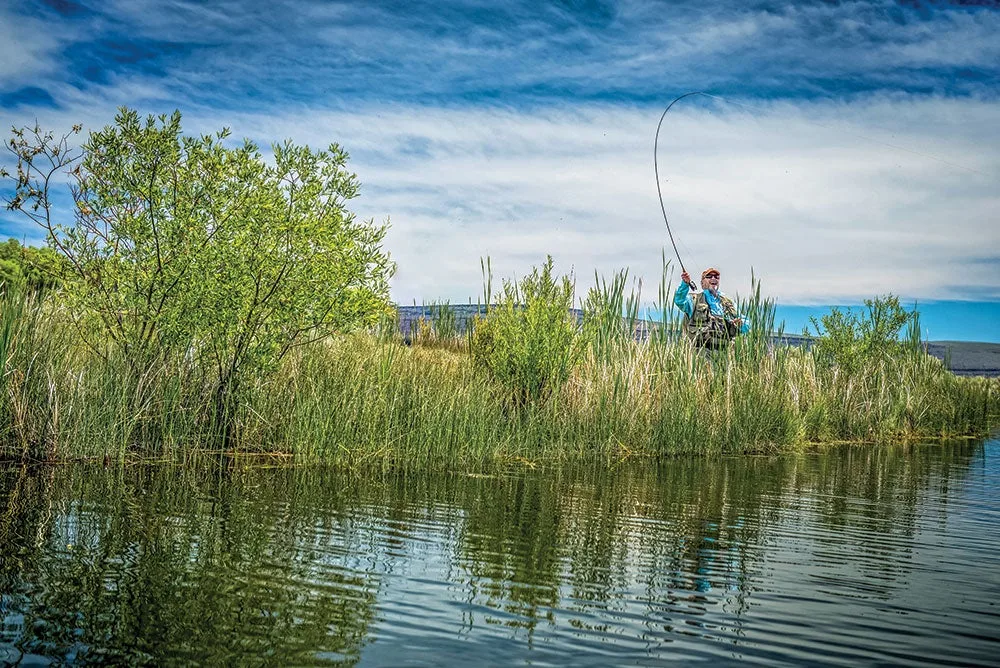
(529, 382)
(196, 300)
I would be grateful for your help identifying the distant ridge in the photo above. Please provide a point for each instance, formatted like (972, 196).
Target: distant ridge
(964, 358)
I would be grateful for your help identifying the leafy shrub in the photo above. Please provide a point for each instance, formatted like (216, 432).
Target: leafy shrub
(185, 246)
(33, 268)
(11, 275)
(527, 341)
(854, 341)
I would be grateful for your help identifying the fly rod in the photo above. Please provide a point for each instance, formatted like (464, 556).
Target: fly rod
(656, 171)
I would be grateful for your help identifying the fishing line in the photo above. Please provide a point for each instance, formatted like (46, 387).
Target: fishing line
(656, 171)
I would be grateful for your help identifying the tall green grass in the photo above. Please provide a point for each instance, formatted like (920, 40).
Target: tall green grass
(366, 396)
(61, 399)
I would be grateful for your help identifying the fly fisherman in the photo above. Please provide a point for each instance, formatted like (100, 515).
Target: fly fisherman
(711, 320)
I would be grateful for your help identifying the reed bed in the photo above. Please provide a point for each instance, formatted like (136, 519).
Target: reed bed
(367, 396)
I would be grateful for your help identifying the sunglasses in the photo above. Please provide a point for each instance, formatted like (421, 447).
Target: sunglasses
(711, 275)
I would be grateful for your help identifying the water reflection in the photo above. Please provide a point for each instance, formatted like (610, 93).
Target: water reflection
(145, 564)
(820, 557)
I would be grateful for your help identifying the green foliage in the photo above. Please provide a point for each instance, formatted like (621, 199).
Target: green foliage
(444, 321)
(35, 269)
(185, 245)
(854, 341)
(527, 341)
(359, 396)
(355, 397)
(11, 322)
(11, 274)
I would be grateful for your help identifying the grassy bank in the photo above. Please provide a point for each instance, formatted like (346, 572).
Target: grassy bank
(558, 390)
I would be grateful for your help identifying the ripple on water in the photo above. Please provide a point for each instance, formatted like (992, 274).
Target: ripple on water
(847, 557)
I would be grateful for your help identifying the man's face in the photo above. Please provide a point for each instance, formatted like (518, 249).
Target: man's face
(710, 281)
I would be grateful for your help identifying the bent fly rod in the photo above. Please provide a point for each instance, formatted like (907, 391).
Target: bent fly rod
(656, 171)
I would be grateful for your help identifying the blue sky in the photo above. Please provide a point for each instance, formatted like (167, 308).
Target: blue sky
(852, 148)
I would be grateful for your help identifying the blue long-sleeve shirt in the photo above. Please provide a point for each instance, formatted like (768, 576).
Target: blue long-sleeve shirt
(684, 300)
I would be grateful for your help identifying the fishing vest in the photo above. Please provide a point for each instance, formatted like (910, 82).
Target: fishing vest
(707, 330)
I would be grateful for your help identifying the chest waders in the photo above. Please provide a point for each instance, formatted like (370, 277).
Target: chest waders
(707, 330)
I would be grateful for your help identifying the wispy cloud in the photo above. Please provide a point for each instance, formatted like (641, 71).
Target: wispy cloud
(269, 54)
(516, 129)
(793, 191)
(28, 49)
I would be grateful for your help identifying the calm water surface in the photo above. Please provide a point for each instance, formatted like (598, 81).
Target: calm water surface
(855, 556)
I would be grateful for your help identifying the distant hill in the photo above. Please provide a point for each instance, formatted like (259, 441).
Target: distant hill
(964, 358)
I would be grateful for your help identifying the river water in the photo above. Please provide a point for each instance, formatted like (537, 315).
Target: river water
(851, 556)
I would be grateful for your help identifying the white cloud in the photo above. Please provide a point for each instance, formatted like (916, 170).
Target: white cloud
(28, 48)
(810, 194)
(820, 214)
(965, 39)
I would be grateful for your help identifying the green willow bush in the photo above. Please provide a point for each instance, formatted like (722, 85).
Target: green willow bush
(853, 340)
(185, 246)
(527, 342)
(29, 268)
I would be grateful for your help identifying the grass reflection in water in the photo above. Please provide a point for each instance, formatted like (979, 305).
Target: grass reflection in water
(292, 566)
